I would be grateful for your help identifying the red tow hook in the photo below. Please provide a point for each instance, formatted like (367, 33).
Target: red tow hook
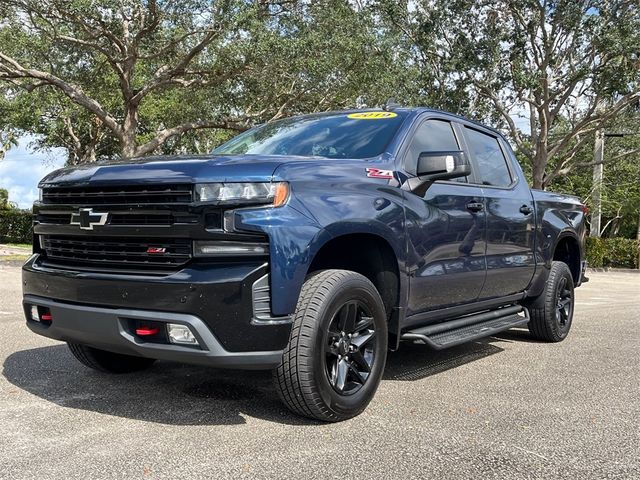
(147, 331)
(46, 317)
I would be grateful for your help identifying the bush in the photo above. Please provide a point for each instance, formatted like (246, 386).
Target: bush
(16, 226)
(595, 252)
(612, 252)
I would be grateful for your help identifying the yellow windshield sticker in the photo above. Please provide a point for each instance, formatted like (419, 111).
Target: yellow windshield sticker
(372, 115)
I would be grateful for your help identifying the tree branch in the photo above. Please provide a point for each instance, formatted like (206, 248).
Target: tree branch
(163, 135)
(73, 92)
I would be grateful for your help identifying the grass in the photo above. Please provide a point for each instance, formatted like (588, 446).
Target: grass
(18, 245)
(13, 258)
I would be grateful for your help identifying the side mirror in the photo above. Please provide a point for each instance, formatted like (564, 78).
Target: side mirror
(434, 166)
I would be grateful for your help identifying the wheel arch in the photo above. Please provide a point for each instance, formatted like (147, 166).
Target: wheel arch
(567, 249)
(368, 253)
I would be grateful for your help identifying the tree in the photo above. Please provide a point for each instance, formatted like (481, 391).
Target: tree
(620, 190)
(7, 140)
(568, 66)
(136, 77)
(4, 199)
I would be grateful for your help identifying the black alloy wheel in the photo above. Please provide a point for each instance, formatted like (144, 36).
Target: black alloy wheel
(564, 303)
(350, 350)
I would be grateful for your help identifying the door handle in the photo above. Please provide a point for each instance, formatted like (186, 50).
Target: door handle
(526, 209)
(475, 206)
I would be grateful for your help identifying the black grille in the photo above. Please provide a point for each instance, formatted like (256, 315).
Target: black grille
(54, 218)
(134, 194)
(140, 219)
(128, 219)
(114, 252)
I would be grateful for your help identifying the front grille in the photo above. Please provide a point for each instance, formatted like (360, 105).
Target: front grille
(54, 218)
(118, 195)
(123, 219)
(115, 252)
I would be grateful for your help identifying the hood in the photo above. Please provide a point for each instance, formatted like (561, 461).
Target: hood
(171, 169)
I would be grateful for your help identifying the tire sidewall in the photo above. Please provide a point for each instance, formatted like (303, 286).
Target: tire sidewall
(360, 289)
(560, 332)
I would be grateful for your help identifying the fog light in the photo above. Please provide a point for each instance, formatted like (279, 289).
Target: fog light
(181, 334)
(228, 249)
(41, 314)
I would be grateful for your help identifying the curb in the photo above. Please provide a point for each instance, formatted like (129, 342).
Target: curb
(612, 269)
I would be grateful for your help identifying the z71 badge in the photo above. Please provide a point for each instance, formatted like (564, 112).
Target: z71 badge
(377, 173)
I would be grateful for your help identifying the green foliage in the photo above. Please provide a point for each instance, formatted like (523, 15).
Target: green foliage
(8, 139)
(103, 78)
(612, 252)
(4, 199)
(621, 182)
(565, 66)
(595, 251)
(16, 226)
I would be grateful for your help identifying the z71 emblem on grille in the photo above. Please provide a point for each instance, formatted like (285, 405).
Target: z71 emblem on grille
(86, 218)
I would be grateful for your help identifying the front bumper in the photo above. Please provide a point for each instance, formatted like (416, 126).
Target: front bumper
(216, 299)
(106, 328)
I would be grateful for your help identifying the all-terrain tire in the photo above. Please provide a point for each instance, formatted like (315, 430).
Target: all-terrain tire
(303, 380)
(108, 362)
(552, 311)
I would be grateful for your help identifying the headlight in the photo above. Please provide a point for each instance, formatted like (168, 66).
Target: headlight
(40, 194)
(257, 193)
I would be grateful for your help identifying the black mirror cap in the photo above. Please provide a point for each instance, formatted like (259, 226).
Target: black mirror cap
(442, 165)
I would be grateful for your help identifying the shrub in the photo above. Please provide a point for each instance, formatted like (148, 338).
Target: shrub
(595, 248)
(621, 252)
(16, 226)
(612, 252)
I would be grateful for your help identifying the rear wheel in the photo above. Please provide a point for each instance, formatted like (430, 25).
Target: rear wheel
(109, 362)
(337, 349)
(552, 311)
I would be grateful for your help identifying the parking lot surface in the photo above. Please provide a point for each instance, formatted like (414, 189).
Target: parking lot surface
(504, 407)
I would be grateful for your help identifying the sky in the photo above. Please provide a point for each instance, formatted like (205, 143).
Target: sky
(22, 169)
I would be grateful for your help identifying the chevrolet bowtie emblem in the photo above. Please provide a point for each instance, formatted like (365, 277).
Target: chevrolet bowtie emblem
(86, 218)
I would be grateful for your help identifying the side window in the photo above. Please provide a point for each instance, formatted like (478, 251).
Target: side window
(431, 136)
(492, 166)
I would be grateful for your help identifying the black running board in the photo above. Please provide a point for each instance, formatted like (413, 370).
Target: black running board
(472, 327)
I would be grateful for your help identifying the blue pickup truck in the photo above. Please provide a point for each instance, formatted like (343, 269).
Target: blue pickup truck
(310, 246)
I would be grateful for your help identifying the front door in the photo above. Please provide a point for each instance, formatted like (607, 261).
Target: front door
(446, 227)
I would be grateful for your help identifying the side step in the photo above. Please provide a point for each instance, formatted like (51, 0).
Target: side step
(472, 327)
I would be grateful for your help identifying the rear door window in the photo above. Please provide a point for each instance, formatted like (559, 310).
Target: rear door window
(492, 164)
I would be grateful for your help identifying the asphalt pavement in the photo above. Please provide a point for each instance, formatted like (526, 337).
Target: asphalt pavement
(504, 407)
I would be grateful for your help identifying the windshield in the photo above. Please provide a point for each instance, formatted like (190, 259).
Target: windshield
(342, 135)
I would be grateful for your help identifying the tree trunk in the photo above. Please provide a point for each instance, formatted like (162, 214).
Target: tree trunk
(539, 166)
(129, 129)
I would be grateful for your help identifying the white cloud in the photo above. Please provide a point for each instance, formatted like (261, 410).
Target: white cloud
(22, 169)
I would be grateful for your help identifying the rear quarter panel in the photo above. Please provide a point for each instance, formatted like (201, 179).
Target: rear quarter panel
(558, 216)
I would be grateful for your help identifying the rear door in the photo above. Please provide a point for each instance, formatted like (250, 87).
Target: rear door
(510, 214)
(445, 227)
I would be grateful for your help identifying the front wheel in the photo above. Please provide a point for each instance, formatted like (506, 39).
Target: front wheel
(334, 361)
